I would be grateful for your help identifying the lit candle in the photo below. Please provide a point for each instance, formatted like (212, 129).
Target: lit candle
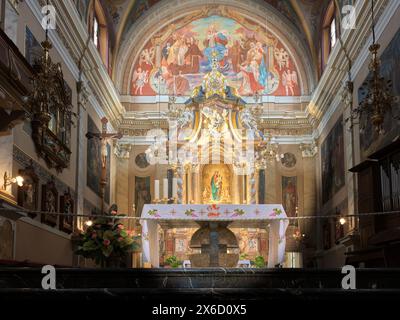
(157, 189)
(175, 188)
(165, 189)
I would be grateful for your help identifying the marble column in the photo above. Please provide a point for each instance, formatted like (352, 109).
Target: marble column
(236, 188)
(197, 187)
(189, 190)
(270, 184)
(180, 184)
(252, 188)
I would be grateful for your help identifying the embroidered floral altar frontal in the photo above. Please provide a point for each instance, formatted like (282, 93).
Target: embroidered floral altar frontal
(267, 216)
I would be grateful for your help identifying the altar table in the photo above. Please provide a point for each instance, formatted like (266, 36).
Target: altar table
(267, 216)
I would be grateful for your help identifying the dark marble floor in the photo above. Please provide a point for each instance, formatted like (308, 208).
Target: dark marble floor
(199, 284)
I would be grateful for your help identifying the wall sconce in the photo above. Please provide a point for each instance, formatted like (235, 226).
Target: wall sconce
(342, 221)
(89, 223)
(9, 181)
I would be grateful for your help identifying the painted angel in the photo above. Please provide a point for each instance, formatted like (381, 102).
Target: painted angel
(282, 57)
(140, 78)
(147, 56)
(289, 81)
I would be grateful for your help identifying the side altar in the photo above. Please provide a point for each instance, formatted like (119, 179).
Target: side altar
(212, 220)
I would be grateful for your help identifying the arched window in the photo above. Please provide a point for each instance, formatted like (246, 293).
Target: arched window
(330, 32)
(98, 30)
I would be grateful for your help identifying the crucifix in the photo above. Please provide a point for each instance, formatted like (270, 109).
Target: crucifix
(103, 137)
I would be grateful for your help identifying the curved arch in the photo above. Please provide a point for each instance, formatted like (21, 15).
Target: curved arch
(162, 14)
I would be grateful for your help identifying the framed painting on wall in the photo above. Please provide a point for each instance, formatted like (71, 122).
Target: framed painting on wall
(142, 193)
(66, 206)
(93, 159)
(289, 197)
(27, 196)
(332, 162)
(49, 203)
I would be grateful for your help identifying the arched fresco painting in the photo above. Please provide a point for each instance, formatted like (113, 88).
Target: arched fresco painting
(176, 59)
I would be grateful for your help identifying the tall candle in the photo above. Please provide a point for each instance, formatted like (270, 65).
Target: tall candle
(165, 189)
(157, 189)
(175, 188)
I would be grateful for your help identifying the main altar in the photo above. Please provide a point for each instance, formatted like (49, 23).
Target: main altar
(213, 247)
(214, 148)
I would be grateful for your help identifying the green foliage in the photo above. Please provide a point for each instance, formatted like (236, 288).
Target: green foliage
(106, 239)
(258, 262)
(173, 262)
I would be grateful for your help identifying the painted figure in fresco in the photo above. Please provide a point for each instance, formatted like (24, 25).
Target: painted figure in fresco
(192, 57)
(216, 186)
(147, 56)
(215, 46)
(237, 54)
(139, 80)
(181, 85)
(282, 58)
(289, 81)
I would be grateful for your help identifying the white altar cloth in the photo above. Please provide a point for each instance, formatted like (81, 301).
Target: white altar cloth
(271, 216)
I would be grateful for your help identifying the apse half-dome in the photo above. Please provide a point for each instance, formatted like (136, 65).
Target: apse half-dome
(255, 54)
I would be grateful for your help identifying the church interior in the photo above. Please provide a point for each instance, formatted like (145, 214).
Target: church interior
(146, 134)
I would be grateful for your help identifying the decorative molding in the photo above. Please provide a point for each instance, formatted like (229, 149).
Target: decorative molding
(182, 99)
(308, 150)
(24, 160)
(281, 139)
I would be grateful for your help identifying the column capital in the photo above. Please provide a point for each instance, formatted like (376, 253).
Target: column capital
(122, 150)
(308, 150)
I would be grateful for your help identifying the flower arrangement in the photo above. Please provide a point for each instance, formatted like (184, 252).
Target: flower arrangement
(106, 240)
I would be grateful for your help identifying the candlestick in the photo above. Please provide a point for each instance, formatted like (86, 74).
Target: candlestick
(157, 189)
(165, 189)
(174, 187)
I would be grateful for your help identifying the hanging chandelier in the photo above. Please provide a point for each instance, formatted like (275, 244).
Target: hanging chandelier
(377, 92)
(267, 152)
